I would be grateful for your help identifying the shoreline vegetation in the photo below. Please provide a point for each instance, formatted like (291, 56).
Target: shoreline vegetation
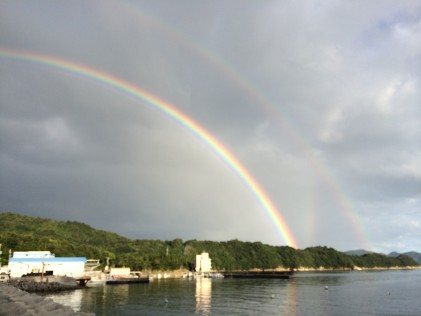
(73, 239)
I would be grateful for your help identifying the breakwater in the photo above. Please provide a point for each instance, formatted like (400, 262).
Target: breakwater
(259, 274)
(48, 284)
(14, 301)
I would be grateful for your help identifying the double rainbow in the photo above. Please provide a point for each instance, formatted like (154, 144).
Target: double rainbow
(228, 72)
(173, 112)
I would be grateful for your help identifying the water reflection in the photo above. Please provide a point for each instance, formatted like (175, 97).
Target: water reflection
(203, 295)
(292, 297)
(120, 293)
(72, 299)
(355, 293)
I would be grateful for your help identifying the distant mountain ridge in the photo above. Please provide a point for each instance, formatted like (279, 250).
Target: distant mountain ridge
(358, 252)
(361, 252)
(413, 254)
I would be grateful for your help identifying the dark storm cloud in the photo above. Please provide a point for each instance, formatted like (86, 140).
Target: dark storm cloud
(318, 100)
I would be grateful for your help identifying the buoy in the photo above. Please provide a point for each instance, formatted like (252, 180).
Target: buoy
(272, 296)
(326, 287)
(166, 301)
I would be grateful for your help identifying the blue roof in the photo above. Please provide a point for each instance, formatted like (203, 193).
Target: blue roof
(58, 259)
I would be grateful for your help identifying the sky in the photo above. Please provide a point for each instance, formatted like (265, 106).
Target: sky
(319, 101)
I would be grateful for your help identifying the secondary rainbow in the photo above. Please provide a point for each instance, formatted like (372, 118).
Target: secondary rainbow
(260, 100)
(173, 112)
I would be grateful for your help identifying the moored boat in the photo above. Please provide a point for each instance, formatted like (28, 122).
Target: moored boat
(98, 280)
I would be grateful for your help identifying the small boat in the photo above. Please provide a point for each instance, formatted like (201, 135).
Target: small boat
(216, 275)
(98, 280)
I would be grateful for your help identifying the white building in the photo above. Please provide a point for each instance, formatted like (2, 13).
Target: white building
(44, 262)
(203, 263)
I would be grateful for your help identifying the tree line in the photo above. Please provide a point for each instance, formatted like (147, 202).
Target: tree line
(74, 239)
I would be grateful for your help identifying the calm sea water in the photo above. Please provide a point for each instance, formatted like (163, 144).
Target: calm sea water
(347, 293)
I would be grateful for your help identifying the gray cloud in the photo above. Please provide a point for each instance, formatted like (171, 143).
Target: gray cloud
(319, 101)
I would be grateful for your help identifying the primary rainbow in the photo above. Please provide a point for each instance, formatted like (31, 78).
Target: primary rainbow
(250, 90)
(173, 112)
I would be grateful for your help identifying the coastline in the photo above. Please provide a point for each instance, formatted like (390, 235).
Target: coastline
(322, 269)
(180, 273)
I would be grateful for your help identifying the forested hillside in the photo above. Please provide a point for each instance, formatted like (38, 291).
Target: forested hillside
(64, 238)
(413, 254)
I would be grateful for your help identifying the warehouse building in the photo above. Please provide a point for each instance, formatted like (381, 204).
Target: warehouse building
(44, 262)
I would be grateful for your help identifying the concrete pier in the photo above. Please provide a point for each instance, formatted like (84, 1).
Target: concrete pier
(259, 274)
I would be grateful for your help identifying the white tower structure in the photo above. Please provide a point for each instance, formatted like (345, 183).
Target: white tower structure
(203, 263)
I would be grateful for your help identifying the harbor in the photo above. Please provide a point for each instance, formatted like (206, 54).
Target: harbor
(39, 283)
(42, 271)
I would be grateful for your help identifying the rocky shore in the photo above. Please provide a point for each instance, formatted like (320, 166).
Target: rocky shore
(14, 301)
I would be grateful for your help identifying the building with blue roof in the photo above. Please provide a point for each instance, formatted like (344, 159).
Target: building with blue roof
(29, 262)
